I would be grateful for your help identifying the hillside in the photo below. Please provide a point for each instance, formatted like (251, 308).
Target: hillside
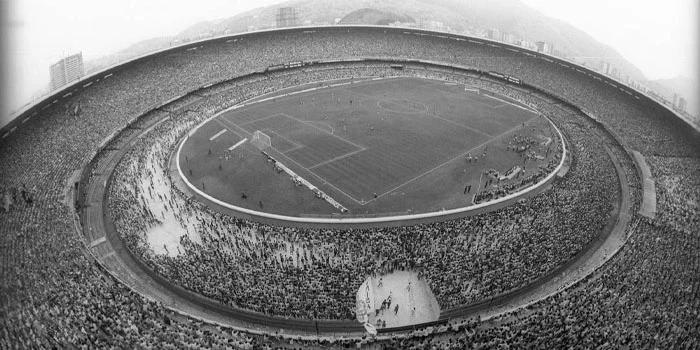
(473, 17)
(375, 17)
(132, 51)
(469, 16)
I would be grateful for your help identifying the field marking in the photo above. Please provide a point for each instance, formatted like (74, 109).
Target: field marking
(328, 86)
(324, 131)
(217, 135)
(450, 161)
(257, 120)
(237, 144)
(462, 125)
(427, 114)
(324, 123)
(447, 83)
(416, 111)
(450, 83)
(222, 122)
(355, 219)
(295, 144)
(510, 103)
(337, 158)
(492, 97)
(324, 181)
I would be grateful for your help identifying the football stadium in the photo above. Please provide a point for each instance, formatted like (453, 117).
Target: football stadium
(391, 155)
(349, 187)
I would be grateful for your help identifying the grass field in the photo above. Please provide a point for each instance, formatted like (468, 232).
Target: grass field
(378, 147)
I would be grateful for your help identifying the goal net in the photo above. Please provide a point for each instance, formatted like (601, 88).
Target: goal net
(261, 140)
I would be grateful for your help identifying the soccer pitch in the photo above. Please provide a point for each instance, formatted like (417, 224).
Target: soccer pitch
(378, 147)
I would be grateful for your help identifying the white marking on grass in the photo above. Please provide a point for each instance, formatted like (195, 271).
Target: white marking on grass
(322, 123)
(427, 114)
(296, 145)
(324, 131)
(462, 125)
(259, 119)
(319, 177)
(336, 158)
(217, 135)
(222, 122)
(237, 144)
(352, 219)
(449, 161)
(510, 103)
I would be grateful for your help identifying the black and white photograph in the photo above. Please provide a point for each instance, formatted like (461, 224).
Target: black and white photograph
(335, 174)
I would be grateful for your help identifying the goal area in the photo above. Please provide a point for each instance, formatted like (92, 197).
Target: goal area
(261, 140)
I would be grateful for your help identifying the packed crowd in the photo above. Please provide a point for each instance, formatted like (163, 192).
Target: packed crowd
(54, 293)
(528, 149)
(275, 269)
(647, 296)
(677, 191)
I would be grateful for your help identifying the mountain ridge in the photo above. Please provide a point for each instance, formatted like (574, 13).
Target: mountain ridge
(471, 17)
(374, 17)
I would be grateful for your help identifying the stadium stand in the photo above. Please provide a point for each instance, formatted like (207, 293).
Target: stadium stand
(56, 294)
(263, 281)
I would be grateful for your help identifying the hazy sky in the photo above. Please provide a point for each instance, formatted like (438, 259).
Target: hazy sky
(660, 37)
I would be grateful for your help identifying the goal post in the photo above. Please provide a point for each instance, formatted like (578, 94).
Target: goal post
(261, 140)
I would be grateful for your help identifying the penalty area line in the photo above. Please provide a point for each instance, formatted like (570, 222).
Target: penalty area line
(227, 124)
(449, 161)
(324, 181)
(510, 103)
